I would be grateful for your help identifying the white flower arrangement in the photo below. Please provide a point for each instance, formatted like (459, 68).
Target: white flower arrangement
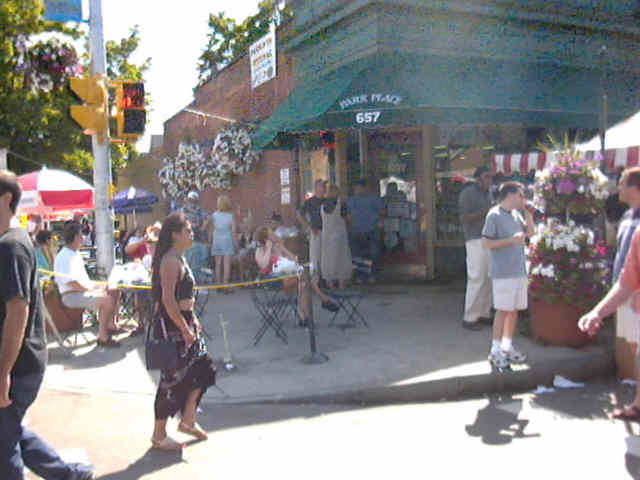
(181, 174)
(567, 263)
(230, 156)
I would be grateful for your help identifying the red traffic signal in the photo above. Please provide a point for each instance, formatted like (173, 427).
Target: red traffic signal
(131, 116)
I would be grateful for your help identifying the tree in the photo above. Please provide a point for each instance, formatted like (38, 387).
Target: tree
(37, 59)
(34, 99)
(228, 40)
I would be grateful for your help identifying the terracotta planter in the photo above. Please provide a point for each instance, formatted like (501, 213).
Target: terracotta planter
(557, 324)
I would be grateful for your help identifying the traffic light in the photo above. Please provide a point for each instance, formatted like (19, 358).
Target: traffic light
(92, 116)
(131, 116)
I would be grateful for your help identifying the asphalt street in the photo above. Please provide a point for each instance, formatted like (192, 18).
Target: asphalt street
(566, 433)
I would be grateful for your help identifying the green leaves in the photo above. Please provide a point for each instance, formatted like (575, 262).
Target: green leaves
(228, 40)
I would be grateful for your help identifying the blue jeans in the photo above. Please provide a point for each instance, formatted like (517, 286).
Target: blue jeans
(19, 446)
(366, 245)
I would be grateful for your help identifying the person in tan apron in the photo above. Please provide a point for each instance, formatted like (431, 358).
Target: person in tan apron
(335, 263)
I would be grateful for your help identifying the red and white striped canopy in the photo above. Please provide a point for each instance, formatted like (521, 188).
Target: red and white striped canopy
(614, 159)
(47, 191)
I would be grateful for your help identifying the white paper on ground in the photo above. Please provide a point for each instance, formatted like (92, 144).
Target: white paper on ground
(561, 382)
(627, 381)
(543, 389)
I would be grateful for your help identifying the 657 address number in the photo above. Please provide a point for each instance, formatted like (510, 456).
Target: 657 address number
(367, 117)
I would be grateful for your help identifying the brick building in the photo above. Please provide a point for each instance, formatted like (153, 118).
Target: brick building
(229, 95)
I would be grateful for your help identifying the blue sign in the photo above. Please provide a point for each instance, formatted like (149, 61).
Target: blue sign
(63, 10)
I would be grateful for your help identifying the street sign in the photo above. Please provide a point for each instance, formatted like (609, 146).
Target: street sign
(63, 10)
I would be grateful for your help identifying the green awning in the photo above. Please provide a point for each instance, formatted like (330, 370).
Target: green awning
(306, 104)
(409, 90)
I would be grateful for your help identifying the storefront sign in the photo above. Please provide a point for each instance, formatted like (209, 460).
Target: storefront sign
(262, 55)
(370, 99)
(63, 10)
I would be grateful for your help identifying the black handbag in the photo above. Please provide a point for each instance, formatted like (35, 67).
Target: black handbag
(160, 353)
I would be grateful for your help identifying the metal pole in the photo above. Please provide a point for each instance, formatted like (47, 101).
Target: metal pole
(101, 159)
(604, 107)
(304, 282)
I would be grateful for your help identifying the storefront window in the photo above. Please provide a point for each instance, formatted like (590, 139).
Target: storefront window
(394, 159)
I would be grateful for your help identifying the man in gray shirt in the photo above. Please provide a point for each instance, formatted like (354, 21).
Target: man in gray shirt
(474, 203)
(504, 233)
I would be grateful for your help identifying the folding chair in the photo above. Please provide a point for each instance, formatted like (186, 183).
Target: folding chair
(274, 305)
(349, 302)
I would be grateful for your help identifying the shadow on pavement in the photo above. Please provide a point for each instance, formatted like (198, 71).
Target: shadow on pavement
(150, 462)
(583, 403)
(498, 424)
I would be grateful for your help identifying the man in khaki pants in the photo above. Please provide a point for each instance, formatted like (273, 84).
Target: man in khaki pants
(474, 204)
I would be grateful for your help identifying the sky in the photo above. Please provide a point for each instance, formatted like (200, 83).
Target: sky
(173, 34)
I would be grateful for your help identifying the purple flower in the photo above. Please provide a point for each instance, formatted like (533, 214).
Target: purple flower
(564, 186)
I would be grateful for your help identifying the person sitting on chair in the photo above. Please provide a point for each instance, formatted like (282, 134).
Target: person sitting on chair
(78, 291)
(275, 260)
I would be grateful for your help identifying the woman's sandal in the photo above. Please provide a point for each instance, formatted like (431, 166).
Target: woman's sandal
(195, 431)
(167, 444)
(629, 412)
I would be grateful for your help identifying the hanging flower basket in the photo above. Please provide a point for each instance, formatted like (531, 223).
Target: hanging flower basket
(231, 156)
(46, 65)
(192, 169)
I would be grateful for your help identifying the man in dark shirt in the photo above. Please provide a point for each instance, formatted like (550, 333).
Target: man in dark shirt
(311, 220)
(23, 350)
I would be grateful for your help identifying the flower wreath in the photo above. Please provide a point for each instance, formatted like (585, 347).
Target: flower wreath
(181, 174)
(231, 156)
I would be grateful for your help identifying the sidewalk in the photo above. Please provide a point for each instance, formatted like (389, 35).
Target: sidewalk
(415, 350)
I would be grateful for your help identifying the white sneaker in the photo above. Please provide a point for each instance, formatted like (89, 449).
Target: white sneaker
(498, 359)
(514, 356)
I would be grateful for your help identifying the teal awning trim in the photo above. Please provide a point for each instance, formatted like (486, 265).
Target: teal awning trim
(405, 90)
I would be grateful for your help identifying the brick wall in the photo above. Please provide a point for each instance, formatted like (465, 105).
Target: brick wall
(230, 95)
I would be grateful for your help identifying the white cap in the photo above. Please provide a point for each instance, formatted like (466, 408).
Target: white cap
(193, 196)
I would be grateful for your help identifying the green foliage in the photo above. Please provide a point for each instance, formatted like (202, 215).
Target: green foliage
(228, 40)
(35, 122)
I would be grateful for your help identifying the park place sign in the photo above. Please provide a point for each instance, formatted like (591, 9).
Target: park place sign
(369, 102)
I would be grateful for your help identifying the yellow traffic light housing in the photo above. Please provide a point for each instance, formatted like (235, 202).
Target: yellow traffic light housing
(131, 116)
(92, 116)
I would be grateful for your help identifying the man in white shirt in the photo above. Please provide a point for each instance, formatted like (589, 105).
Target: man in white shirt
(78, 291)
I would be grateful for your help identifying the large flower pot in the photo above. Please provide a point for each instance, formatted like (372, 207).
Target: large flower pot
(557, 324)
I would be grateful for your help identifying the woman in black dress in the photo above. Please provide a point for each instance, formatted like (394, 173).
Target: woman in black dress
(180, 390)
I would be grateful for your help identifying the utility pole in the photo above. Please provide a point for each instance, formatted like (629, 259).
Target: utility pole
(101, 158)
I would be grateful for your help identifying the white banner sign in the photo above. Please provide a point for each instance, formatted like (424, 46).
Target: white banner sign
(285, 196)
(262, 55)
(3, 158)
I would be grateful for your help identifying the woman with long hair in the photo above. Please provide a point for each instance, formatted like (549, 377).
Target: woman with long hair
(180, 390)
(224, 242)
(274, 260)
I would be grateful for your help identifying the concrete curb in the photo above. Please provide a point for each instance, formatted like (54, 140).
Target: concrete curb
(584, 368)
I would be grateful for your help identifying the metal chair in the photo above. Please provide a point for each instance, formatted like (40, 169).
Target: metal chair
(348, 300)
(274, 305)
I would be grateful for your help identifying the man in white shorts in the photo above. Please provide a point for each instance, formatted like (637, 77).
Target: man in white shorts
(504, 233)
(78, 291)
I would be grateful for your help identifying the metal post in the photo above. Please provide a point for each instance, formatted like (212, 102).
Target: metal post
(101, 159)
(604, 107)
(304, 281)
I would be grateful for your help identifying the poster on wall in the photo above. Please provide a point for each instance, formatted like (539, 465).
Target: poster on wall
(262, 55)
(284, 176)
(285, 196)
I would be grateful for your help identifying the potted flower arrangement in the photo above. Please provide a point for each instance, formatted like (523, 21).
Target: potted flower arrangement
(569, 266)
